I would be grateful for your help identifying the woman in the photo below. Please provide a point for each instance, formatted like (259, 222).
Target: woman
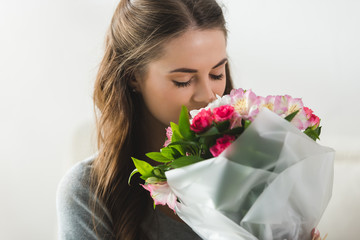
(159, 55)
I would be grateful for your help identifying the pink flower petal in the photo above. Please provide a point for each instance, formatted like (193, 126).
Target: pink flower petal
(168, 136)
(223, 113)
(221, 144)
(245, 103)
(162, 194)
(202, 121)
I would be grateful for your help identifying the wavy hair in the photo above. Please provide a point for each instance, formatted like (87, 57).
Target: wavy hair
(138, 31)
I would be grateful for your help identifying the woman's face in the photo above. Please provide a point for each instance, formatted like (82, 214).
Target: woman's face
(190, 72)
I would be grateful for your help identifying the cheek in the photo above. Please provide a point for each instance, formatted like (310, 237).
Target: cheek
(172, 103)
(164, 103)
(219, 87)
(172, 110)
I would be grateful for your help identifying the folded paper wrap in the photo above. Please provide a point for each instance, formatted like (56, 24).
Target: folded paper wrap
(273, 182)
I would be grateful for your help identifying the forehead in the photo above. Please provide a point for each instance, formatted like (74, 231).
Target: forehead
(194, 49)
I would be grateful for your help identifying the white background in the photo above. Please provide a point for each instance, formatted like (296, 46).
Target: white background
(49, 54)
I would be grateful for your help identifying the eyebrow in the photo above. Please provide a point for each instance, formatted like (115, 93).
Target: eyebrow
(189, 70)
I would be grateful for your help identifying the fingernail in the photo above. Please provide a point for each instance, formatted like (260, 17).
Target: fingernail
(315, 233)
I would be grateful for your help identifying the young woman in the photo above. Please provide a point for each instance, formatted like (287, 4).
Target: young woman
(159, 55)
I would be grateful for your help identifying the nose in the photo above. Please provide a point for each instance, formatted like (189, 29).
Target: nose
(204, 93)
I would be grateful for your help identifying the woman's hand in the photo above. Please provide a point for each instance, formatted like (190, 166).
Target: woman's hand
(315, 235)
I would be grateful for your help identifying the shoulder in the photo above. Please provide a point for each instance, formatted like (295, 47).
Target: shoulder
(74, 187)
(77, 179)
(74, 209)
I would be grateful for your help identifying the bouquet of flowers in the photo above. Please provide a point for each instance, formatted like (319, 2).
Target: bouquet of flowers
(244, 167)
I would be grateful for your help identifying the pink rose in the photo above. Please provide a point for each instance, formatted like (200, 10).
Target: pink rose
(308, 112)
(202, 121)
(221, 144)
(223, 113)
(314, 120)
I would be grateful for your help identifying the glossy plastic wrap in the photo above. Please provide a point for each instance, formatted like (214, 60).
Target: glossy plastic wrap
(273, 182)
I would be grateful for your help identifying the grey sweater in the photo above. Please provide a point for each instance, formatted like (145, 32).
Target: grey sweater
(75, 215)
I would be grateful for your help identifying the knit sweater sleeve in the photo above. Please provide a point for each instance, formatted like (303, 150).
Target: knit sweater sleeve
(74, 208)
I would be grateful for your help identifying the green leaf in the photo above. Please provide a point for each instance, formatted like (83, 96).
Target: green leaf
(132, 174)
(176, 152)
(184, 124)
(184, 161)
(223, 126)
(144, 177)
(176, 135)
(172, 152)
(184, 143)
(208, 140)
(235, 131)
(144, 168)
(313, 134)
(158, 156)
(159, 173)
(318, 131)
(247, 123)
(212, 131)
(291, 116)
(167, 152)
(186, 146)
(164, 167)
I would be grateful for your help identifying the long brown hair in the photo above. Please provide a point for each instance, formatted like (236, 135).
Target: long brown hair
(138, 30)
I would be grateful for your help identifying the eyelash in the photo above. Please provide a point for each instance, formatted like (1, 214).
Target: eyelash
(188, 83)
(182, 84)
(217, 77)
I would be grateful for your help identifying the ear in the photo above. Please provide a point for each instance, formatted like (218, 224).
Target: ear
(135, 83)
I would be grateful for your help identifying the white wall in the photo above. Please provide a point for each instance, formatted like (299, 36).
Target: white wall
(309, 49)
(49, 53)
(50, 50)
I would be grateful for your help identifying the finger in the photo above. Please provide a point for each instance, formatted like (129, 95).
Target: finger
(315, 234)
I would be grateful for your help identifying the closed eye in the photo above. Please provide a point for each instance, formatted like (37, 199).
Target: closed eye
(188, 83)
(217, 77)
(182, 84)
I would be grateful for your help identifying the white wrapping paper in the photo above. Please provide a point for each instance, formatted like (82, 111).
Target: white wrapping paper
(273, 182)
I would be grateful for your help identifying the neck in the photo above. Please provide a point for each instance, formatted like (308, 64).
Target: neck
(152, 133)
(151, 139)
